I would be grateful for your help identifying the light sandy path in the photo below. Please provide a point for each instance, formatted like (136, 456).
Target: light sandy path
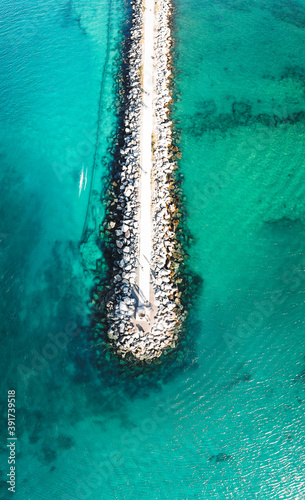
(145, 223)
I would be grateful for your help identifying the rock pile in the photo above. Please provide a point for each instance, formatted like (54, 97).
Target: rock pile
(125, 333)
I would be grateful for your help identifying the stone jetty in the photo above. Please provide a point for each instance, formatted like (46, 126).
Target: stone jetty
(144, 311)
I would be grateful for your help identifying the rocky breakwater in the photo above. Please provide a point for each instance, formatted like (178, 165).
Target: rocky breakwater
(134, 331)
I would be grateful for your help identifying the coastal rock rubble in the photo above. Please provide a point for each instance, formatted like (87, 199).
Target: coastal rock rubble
(159, 331)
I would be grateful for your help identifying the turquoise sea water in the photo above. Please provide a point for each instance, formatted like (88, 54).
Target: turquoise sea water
(228, 422)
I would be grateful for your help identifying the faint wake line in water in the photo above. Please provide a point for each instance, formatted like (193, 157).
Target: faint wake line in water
(84, 237)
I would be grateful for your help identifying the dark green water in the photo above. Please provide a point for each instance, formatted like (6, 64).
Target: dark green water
(226, 419)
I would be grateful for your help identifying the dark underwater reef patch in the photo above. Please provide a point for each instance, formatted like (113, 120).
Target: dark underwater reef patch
(47, 454)
(290, 75)
(243, 378)
(206, 118)
(295, 72)
(290, 12)
(219, 458)
(70, 17)
(283, 222)
(236, 5)
(65, 442)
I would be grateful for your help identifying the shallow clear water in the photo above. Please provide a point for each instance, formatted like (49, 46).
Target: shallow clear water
(228, 422)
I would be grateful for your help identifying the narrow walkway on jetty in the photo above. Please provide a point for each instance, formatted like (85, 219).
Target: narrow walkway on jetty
(146, 130)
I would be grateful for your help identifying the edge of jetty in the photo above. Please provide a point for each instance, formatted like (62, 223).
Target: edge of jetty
(143, 324)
